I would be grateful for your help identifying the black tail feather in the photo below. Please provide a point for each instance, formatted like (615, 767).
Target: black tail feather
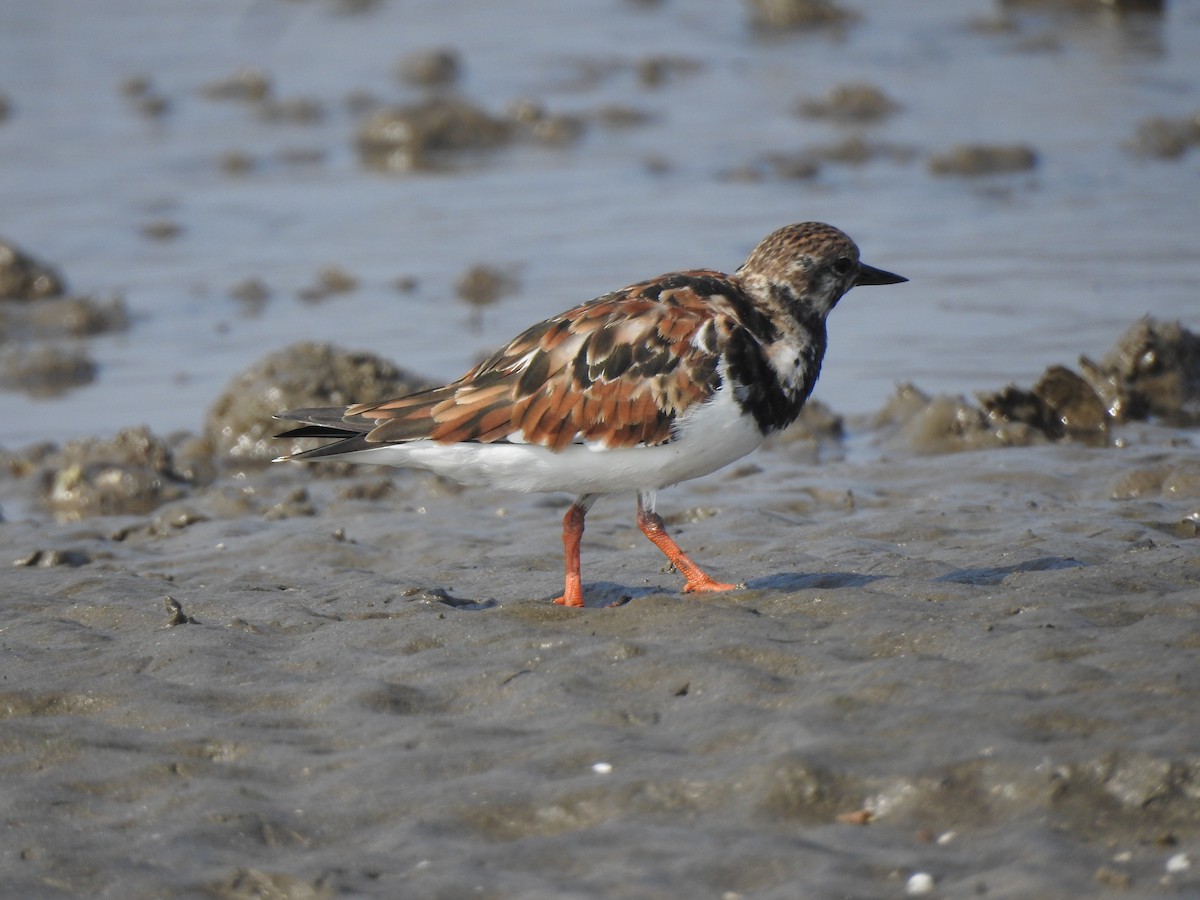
(325, 422)
(317, 431)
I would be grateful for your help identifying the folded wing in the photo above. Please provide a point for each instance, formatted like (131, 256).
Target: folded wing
(618, 371)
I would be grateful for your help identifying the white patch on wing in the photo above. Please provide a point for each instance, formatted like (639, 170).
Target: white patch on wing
(705, 337)
(521, 364)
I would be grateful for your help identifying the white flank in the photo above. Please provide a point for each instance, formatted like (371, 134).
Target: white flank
(710, 435)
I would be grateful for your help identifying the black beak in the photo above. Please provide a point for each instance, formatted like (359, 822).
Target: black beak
(871, 275)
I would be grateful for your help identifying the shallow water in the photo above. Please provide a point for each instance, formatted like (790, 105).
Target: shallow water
(990, 656)
(1009, 273)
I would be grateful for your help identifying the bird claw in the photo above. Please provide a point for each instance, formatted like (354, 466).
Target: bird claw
(707, 585)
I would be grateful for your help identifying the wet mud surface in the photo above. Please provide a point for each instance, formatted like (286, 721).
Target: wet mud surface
(366, 688)
(972, 667)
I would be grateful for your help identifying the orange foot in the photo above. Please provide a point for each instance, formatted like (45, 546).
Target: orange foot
(572, 594)
(701, 583)
(698, 581)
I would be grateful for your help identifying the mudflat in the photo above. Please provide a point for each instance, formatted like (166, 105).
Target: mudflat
(979, 667)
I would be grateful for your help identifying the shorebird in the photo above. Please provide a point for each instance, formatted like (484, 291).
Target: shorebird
(656, 383)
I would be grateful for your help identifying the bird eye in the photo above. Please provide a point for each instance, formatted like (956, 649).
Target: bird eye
(843, 266)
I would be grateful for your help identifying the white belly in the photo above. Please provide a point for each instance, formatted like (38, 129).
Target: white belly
(712, 436)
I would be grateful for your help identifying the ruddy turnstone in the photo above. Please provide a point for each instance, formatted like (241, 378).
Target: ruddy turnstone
(659, 382)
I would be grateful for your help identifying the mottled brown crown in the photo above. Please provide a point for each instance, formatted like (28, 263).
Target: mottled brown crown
(790, 251)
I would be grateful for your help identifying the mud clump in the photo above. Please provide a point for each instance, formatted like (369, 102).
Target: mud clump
(440, 67)
(794, 789)
(24, 278)
(246, 85)
(241, 423)
(130, 474)
(256, 89)
(427, 135)
(983, 159)
(532, 121)
(783, 166)
(1061, 405)
(252, 294)
(293, 111)
(45, 371)
(1089, 6)
(659, 69)
(161, 230)
(35, 305)
(330, 281)
(1166, 138)
(856, 104)
(236, 162)
(483, 285)
(1121, 791)
(143, 97)
(62, 317)
(74, 316)
(1154, 370)
(856, 151)
(945, 424)
(794, 15)
(244, 882)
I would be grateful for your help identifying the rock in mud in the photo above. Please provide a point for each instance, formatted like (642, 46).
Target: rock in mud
(240, 423)
(1061, 405)
(24, 278)
(45, 371)
(34, 302)
(850, 104)
(129, 474)
(331, 281)
(482, 285)
(1166, 138)
(426, 134)
(440, 67)
(797, 790)
(79, 315)
(1154, 370)
(789, 15)
(246, 85)
(983, 159)
(945, 424)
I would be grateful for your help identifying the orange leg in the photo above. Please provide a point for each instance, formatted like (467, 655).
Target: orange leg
(651, 524)
(572, 594)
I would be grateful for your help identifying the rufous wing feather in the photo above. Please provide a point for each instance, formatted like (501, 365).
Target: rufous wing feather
(619, 371)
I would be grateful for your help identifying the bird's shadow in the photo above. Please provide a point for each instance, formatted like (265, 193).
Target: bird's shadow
(807, 581)
(992, 575)
(607, 594)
